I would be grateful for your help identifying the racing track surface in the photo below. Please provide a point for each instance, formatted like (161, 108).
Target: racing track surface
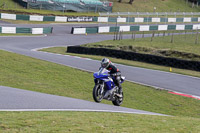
(61, 37)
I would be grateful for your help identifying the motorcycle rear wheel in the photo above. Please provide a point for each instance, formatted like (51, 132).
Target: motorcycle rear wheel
(97, 96)
(118, 101)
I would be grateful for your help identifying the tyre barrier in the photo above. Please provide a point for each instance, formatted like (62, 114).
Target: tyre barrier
(147, 58)
(15, 30)
(107, 29)
(98, 19)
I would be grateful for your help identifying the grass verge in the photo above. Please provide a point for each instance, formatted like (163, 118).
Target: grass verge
(44, 12)
(137, 6)
(148, 6)
(31, 74)
(94, 122)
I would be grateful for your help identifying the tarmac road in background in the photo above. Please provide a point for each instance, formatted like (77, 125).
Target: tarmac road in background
(61, 37)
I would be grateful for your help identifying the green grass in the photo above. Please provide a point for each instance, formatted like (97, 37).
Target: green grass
(148, 6)
(63, 122)
(181, 43)
(45, 12)
(9, 4)
(138, 6)
(31, 74)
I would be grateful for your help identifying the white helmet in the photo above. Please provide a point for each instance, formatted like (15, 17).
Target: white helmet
(105, 62)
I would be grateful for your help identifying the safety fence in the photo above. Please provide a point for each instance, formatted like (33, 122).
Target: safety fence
(153, 59)
(98, 19)
(107, 29)
(149, 13)
(15, 30)
(45, 18)
(146, 19)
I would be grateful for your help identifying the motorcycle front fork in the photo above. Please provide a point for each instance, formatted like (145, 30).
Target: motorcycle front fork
(101, 89)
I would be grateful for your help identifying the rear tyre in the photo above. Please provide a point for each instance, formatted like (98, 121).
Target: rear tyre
(118, 100)
(97, 96)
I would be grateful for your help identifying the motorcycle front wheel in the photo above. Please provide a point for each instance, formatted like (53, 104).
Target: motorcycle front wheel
(97, 95)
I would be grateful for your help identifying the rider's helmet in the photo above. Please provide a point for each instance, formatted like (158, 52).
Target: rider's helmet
(105, 62)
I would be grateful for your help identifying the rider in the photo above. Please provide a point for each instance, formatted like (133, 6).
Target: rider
(114, 72)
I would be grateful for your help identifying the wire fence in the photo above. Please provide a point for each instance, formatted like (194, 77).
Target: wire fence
(177, 44)
(189, 37)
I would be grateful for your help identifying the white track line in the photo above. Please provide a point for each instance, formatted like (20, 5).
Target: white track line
(44, 35)
(80, 110)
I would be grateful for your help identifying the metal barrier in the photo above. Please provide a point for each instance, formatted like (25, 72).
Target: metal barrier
(149, 14)
(15, 30)
(129, 28)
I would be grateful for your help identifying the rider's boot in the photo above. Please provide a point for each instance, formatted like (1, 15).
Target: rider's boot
(120, 92)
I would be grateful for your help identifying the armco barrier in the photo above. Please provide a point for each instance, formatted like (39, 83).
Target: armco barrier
(107, 29)
(97, 19)
(14, 30)
(172, 62)
(45, 18)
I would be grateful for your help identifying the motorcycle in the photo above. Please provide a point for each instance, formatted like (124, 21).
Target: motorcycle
(105, 88)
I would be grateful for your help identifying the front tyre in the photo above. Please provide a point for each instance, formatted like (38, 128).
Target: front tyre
(97, 95)
(118, 100)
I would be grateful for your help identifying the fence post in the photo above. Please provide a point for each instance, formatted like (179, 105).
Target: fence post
(197, 38)
(143, 34)
(27, 6)
(96, 9)
(164, 34)
(134, 36)
(114, 37)
(152, 36)
(172, 37)
(117, 35)
(185, 34)
(121, 35)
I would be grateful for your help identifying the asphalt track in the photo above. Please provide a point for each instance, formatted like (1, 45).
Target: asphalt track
(61, 36)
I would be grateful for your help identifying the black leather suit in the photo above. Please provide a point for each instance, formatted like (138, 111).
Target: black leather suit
(116, 74)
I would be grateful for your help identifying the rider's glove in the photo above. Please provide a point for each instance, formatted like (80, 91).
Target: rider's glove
(113, 75)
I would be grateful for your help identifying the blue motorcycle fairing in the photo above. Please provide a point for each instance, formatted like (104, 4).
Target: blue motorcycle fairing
(97, 75)
(104, 76)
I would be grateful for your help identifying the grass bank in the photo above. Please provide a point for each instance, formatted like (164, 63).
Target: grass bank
(31, 74)
(148, 6)
(20, 10)
(94, 122)
(137, 6)
(178, 46)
